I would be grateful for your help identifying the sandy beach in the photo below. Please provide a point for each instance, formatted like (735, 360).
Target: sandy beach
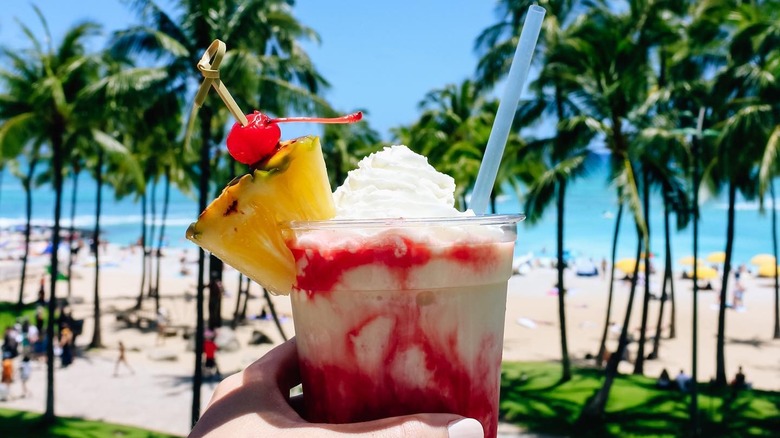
(157, 394)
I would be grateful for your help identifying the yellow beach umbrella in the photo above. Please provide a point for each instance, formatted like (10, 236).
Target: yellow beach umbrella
(762, 259)
(716, 257)
(703, 273)
(686, 261)
(627, 265)
(767, 270)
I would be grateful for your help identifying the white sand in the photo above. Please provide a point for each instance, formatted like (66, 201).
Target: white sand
(159, 395)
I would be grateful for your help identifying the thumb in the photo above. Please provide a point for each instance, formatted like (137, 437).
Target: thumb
(418, 425)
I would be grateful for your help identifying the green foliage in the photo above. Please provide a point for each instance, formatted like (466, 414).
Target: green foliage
(29, 425)
(533, 397)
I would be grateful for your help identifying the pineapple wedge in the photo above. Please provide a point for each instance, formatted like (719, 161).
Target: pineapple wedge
(243, 226)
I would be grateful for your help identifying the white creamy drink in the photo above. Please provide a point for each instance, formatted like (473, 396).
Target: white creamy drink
(399, 302)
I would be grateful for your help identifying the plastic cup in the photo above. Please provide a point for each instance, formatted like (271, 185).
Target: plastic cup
(396, 317)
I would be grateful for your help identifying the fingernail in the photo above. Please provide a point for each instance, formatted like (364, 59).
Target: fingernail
(465, 428)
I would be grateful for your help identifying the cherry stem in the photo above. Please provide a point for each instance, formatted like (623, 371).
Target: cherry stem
(349, 118)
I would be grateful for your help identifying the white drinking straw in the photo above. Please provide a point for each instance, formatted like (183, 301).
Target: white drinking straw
(518, 72)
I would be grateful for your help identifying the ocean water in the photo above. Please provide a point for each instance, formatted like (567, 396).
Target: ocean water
(589, 219)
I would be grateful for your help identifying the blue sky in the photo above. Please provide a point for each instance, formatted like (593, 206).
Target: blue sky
(380, 55)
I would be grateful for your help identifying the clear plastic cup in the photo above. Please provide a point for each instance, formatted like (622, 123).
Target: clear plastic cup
(396, 317)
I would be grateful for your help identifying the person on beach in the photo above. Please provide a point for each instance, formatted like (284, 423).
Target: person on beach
(66, 319)
(41, 301)
(236, 410)
(738, 299)
(10, 343)
(39, 319)
(66, 344)
(162, 325)
(683, 381)
(738, 275)
(664, 380)
(6, 377)
(122, 359)
(210, 352)
(25, 369)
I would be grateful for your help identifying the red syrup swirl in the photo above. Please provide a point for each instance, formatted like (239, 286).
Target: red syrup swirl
(321, 268)
(341, 391)
(345, 393)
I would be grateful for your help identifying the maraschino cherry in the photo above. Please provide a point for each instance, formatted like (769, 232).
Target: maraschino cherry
(253, 142)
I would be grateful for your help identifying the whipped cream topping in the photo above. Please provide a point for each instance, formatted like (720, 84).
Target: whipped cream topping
(395, 183)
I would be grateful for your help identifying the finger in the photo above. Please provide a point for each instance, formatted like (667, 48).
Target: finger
(418, 425)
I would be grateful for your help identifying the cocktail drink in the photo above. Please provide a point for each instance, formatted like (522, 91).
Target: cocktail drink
(396, 317)
(398, 298)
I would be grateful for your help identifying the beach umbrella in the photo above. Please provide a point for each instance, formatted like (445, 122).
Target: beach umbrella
(762, 259)
(716, 257)
(767, 270)
(627, 265)
(686, 261)
(703, 272)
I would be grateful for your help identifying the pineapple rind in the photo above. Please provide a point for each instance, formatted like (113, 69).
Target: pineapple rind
(244, 225)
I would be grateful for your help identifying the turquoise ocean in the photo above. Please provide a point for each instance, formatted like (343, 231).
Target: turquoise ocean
(589, 221)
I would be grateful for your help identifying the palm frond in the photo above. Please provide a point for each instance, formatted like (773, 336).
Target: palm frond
(768, 165)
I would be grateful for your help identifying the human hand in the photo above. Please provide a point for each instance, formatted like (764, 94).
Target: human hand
(256, 403)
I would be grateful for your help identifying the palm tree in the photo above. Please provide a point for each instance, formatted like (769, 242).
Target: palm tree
(767, 174)
(76, 171)
(746, 117)
(27, 180)
(609, 54)
(50, 116)
(265, 60)
(121, 86)
(564, 155)
(18, 86)
(765, 31)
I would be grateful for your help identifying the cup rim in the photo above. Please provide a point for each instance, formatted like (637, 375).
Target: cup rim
(488, 219)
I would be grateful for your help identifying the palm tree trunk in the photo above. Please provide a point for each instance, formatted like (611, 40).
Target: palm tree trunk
(140, 299)
(216, 288)
(693, 406)
(150, 260)
(166, 201)
(272, 309)
(203, 189)
(593, 411)
(73, 193)
(603, 344)
(565, 362)
(720, 369)
(216, 291)
(96, 334)
(667, 279)
(673, 302)
(776, 334)
(239, 295)
(57, 159)
(246, 299)
(28, 219)
(639, 364)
